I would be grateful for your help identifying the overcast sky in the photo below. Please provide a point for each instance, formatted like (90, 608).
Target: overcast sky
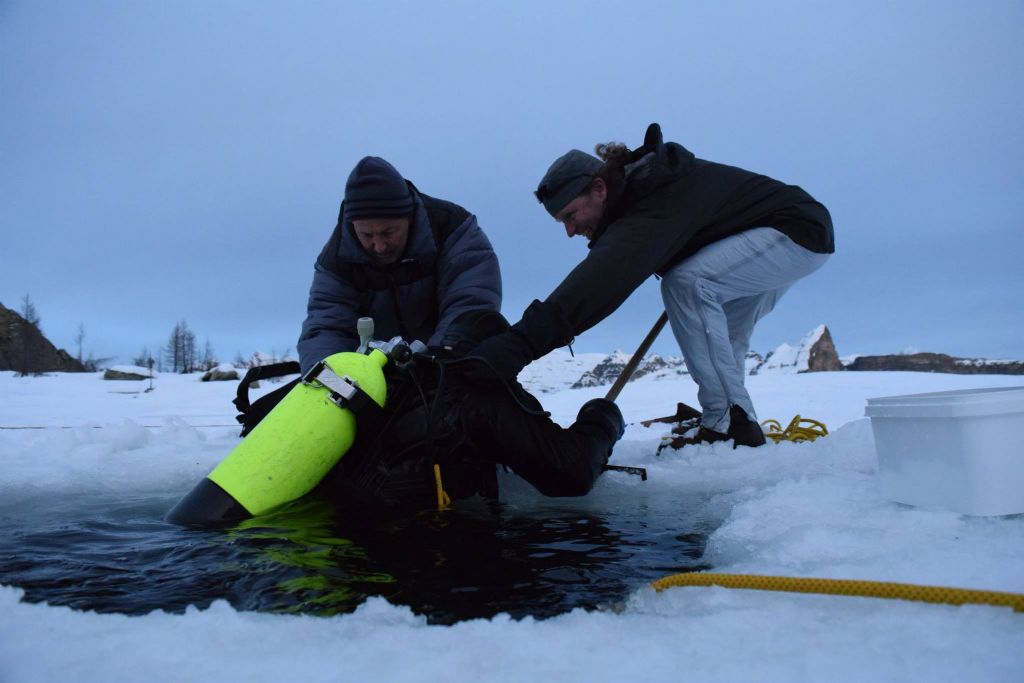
(178, 160)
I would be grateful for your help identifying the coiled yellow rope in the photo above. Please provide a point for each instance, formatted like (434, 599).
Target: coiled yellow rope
(799, 429)
(867, 589)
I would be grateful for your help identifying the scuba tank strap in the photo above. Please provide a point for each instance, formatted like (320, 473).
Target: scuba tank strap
(342, 390)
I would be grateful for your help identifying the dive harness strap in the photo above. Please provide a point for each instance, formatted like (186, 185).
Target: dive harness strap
(343, 391)
(257, 373)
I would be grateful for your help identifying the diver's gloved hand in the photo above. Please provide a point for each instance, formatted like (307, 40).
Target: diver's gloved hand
(502, 357)
(467, 330)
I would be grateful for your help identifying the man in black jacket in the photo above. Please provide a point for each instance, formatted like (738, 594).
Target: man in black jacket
(411, 262)
(726, 242)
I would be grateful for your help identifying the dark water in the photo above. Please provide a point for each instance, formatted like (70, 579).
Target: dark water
(106, 554)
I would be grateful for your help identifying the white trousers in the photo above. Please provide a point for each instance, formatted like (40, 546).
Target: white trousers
(714, 298)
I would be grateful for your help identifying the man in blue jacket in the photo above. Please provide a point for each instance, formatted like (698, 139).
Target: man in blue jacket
(411, 262)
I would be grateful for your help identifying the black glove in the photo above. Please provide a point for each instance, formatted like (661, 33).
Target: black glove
(500, 358)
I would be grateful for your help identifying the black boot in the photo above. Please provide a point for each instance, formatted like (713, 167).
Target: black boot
(742, 430)
(605, 415)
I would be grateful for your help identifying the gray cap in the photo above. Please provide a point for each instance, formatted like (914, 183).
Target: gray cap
(566, 179)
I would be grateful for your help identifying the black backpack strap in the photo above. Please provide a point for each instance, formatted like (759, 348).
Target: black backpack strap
(259, 372)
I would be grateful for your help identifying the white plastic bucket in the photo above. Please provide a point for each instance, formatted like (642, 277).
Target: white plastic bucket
(961, 451)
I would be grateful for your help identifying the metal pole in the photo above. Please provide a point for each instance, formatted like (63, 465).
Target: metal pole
(638, 356)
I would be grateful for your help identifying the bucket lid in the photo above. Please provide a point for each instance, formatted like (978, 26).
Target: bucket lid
(959, 403)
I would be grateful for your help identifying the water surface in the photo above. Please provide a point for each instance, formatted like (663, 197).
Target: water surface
(109, 552)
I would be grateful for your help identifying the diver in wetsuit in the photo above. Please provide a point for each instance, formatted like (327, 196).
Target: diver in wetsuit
(442, 432)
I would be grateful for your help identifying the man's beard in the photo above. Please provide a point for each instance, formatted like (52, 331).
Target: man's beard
(602, 223)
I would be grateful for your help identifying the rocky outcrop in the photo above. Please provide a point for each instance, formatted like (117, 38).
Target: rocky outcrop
(222, 373)
(609, 369)
(822, 356)
(23, 348)
(126, 372)
(753, 362)
(937, 362)
(815, 353)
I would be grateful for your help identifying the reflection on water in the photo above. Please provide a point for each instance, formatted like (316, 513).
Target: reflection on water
(477, 560)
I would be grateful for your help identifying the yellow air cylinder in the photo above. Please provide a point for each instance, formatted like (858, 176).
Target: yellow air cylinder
(290, 450)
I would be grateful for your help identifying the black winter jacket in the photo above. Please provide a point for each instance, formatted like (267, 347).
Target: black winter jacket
(448, 267)
(671, 205)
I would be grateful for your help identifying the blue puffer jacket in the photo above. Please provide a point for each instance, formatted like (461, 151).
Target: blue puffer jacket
(448, 268)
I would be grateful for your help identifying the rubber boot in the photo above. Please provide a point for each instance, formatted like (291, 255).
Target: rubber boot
(742, 430)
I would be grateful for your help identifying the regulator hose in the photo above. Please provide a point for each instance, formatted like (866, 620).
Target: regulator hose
(852, 587)
(506, 384)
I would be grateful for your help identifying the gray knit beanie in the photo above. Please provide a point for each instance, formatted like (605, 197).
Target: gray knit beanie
(566, 179)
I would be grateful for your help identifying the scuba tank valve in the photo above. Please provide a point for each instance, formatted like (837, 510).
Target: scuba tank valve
(400, 352)
(364, 328)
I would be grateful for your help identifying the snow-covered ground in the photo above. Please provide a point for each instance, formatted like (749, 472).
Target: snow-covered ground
(812, 509)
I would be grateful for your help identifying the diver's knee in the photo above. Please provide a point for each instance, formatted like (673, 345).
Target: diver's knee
(604, 415)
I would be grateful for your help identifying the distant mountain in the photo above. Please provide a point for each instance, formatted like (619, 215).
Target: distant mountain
(816, 352)
(557, 370)
(609, 369)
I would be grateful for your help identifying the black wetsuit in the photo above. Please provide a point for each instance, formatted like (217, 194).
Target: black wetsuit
(436, 417)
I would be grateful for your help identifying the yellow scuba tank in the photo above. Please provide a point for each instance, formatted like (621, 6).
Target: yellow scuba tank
(294, 446)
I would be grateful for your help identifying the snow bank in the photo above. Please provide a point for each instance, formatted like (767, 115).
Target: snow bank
(811, 509)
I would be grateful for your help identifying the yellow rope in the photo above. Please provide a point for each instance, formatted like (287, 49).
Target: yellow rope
(444, 501)
(867, 589)
(799, 429)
